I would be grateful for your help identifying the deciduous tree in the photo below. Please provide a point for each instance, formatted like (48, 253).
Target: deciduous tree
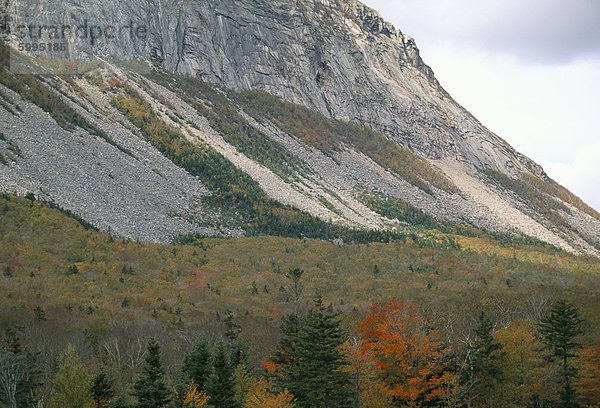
(71, 387)
(588, 383)
(367, 387)
(260, 396)
(408, 351)
(526, 376)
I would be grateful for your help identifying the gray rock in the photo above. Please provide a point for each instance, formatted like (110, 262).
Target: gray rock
(338, 57)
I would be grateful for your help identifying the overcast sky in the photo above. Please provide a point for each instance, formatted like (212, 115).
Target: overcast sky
(529, 70)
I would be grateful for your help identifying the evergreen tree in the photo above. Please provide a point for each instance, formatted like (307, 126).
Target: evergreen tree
(102, 389)
(197, 365)
(232, 329)
(485, 356)
(237, 356)
(149, 388)
(558, 333)
(220, 385)
(296, 287)
(285, 353)
(312, 371)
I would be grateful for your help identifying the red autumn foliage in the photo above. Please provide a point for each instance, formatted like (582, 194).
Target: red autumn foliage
(114, 83)
(407, 351)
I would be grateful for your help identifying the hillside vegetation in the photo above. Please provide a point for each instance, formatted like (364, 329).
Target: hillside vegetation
(64, 283)
(328, 135)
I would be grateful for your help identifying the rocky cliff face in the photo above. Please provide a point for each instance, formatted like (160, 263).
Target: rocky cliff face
(337, 57)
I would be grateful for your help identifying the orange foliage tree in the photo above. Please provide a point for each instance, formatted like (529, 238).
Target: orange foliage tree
(409, 354)
(194, 398)
(367, 387)
(588, 383)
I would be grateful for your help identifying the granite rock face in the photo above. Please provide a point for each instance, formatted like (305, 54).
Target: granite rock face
(338, 57)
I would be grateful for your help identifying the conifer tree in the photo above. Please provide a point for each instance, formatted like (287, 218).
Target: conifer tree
(150, 388)
(102, 389)
(237, 356)
(220, 385)
(485, 356)
(285, 354)
(312, 371)
(231, 328)
(296, 287)
(197, 365)
(558, 333)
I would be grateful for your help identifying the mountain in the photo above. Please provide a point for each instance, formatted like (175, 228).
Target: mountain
(251, 117)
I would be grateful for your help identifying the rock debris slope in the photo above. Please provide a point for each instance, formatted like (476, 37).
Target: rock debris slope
(338, 58)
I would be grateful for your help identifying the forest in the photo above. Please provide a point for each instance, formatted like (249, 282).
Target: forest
(298, 313)
(92, 320)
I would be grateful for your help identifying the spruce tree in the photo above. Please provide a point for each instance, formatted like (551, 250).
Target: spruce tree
(197, 365)
(102, 389)
(485, 355)
(220, 385)
(150, 388)
(285, 353)
(231, 328)
(296, 286)
(558, 333)
(312, 367)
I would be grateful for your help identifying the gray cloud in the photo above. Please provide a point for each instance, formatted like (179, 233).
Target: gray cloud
(537, 31)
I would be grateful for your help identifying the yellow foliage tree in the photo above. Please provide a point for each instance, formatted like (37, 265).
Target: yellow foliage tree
(260, 396)
(71, 388)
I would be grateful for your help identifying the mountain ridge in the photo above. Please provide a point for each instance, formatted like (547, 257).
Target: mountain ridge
(340, 59)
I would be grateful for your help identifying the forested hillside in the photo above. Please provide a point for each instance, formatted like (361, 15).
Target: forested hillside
(401, 323)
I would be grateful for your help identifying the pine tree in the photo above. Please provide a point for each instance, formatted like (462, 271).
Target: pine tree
(485, 356)
(149, 388)
(102, 389)
(558, 333)
(220, 385)
(197, 365)
(312, 371)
